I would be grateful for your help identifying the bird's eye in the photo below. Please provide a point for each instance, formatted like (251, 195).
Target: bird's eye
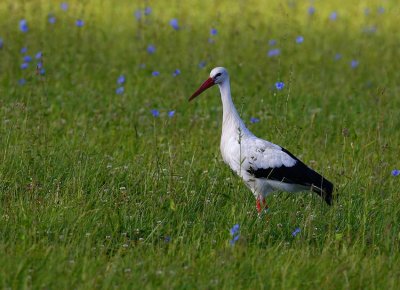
(218, 74)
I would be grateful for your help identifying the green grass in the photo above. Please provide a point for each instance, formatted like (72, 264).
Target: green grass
(91, 184)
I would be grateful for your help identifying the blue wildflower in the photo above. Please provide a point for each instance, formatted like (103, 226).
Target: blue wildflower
(51, 19)
(296, 232)
(177, 72)
(396, 172)
(171, 114)
(39, 65)
(234, 232)
(24, 50)
(39, 55)
(299, 39)
(1, 42)
(64, 6)
(147, 11)
(151, 49)
(155, 73)
(338, 56)
(213, 31)
(138, 14)
(79, 23)
(381, 10)
(333, 16)
(155, 113)
(354, 63)
(279, 85)
(42, 71)
(142, 65)
(174, 23)
(23, 25)
(311, 10)
(274, 52)
(121, 79)
(167, 239)
(254, 120)
(27, 58)
(21, 82)
(272, 42)
(202, 64)
(24, 65)
(119, 91)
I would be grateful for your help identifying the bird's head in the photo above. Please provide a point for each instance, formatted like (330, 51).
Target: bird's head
(218, 75)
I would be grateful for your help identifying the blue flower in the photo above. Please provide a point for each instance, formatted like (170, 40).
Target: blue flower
(27, 58)
(155, 113)
(167, 239)
(279, 85)
(296, 232)
(23, 25)
(396, 172)
(1, 42)
(213, 31)
(254, 120)
(299, 39)
(381, 10)
(21, 82)
(147, 11)
(64, 6)
(79, 23)
(52, 19)
(39, 65)
(311, 10)
(155, 73)
(171, 114)
(354, 63)
(234, 232)
(177, 72)
(39, 55)
(338, 56)
(119, 91)
(202, 64)
(138, 14)
(42, 71)
(333, 16)
(151, 49)
(274, 52)
(174, 23)
(272, 42)
(24, 50)
(24, 65)
(121, 79)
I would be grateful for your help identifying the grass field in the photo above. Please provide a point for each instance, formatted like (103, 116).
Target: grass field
(104, 189)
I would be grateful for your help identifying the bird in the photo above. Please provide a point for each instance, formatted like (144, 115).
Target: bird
(264, 166)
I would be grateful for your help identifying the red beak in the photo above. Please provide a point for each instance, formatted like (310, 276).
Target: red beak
(207, 84)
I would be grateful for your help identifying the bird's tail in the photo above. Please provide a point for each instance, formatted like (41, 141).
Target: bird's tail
(325, 190)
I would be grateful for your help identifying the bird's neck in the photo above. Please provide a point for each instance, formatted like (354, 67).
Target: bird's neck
(231, 121)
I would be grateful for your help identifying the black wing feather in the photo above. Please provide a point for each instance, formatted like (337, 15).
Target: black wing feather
(298, 174)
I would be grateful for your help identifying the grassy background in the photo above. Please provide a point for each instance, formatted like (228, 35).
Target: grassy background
(95, 192)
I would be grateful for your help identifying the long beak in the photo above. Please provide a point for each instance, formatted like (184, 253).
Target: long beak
(207, 84)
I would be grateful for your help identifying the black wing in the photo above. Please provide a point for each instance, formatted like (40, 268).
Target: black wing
(300, 174)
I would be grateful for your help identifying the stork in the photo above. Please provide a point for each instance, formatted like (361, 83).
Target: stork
(264, 166)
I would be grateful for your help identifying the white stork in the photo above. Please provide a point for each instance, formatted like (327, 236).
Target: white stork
(264, 166)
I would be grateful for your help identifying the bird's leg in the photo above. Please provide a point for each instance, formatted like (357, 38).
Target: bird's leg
(261, 205)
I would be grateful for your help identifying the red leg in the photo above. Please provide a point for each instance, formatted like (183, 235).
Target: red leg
(258, 205)
(264, 204)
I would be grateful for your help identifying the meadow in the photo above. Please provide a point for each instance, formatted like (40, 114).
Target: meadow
(111, 179)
